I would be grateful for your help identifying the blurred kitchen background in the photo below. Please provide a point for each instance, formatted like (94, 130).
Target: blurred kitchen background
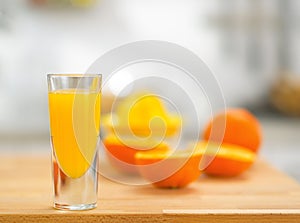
(252, 46)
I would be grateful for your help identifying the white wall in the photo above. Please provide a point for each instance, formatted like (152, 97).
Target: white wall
(37, 41)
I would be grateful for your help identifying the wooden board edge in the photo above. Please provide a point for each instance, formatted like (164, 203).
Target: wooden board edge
(158, 217)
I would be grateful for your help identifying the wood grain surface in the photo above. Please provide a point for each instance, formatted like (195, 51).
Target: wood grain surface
(262, 194)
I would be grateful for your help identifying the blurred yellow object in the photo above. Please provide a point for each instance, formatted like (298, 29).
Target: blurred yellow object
(82, 3)
(74, 3)
(285, 94)
(143, 114)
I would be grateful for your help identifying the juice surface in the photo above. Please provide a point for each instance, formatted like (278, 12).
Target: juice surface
(74, 126)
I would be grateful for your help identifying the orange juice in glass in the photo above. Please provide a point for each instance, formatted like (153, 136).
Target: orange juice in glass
(74, 109)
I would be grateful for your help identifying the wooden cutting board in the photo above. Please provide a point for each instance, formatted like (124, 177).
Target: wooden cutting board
(262, 194)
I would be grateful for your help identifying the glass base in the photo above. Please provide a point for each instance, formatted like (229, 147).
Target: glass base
(77, 207)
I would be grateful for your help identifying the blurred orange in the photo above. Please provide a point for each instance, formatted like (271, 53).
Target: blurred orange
(142, 114)
(241, 128)
(121, 151)
(228, 160)
(175, 170)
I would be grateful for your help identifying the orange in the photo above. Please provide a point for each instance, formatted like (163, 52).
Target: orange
(227, 160)
(166, 170)
(121, 151)
(142, 114)
(239, 127)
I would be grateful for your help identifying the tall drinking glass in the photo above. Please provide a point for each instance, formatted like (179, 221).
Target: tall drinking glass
(74, 109)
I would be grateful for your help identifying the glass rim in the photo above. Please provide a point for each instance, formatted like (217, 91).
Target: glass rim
(74, 75)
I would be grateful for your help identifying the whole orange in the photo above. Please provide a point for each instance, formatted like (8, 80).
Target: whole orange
(235, 126)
